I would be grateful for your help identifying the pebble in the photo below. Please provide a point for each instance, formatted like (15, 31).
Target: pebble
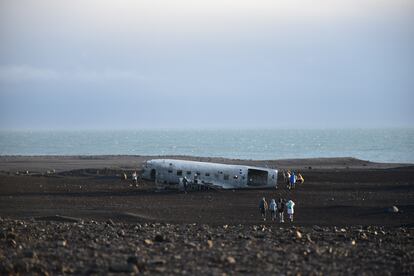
(231, 260)
(123, 268)
(317, 228)
(29, 254)
(157, 261)
(133, 260)
(62, 243)
(159, 238)
(11, 236)
(393, 209)
(148, 242)
(12, 243)
(67, 270)
(160, 269)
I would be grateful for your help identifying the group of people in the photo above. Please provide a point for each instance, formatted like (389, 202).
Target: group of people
(134, 178)
(277, 209)
(291, 178)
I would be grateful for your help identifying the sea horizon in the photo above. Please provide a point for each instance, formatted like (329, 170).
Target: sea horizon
(392, 145)
(185, 128)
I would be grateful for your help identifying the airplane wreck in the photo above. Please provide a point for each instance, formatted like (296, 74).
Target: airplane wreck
(193, 175)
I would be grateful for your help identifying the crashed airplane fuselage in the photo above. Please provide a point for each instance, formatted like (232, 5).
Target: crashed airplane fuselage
(181, 174)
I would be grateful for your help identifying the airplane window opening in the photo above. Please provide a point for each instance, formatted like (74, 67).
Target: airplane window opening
(179, 173)
(152, 174)
(257, 177)
(207, 174)
(188, 172)
(170, 171)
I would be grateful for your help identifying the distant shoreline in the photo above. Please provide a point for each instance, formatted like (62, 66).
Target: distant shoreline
(73, 162)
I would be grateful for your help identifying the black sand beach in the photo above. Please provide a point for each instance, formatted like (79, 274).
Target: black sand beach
(83, 219)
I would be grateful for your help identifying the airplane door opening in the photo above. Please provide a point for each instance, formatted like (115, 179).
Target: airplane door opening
(152, 175)
(256, 177)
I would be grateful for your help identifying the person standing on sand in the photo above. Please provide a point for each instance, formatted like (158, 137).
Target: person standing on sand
(281, 209)
(292, 180)
(300, 179)
(185, 184)
(290, 209)
(263, 208)
(284, 176)
(287, 179)
(135, 178)
(272, 208)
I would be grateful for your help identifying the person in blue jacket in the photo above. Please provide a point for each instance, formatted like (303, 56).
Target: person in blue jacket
(292, 180)
(273, 208)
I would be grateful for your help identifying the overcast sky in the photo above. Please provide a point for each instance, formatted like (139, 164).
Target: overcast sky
(214, 63)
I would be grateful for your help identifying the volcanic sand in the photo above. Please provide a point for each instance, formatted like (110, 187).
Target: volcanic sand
(83, 219)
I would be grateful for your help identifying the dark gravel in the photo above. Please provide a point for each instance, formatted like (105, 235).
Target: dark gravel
(90, 247)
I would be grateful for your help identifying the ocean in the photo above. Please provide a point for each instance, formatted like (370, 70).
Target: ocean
(379, 145)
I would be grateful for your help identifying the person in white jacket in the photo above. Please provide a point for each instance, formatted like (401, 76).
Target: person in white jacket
(290, 209)
(135, 178)
(272, 208)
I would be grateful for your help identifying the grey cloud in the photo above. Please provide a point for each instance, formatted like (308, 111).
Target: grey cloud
(24, 73)
(27, 73)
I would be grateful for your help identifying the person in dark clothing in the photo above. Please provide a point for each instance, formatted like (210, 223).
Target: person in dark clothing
(185, 184)
(263, 208)
(281, 209)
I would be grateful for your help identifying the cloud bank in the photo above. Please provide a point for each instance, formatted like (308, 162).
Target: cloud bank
(294, 63)
(26, 73)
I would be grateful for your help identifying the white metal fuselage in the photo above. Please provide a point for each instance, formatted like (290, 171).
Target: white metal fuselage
(169, 173)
